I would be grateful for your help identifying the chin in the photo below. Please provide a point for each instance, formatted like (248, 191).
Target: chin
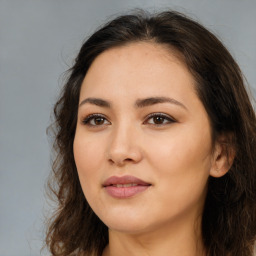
(128, 228)
(126, 223)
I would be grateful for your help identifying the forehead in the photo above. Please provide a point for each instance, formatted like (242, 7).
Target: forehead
(138, 68)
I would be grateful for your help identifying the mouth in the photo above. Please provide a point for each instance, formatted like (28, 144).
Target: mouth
(125, 186)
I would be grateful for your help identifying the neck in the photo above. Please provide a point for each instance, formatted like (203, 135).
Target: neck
(173, 239)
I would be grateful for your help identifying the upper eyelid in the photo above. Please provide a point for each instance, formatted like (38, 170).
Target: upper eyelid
(160, 114)
(94, 115)
(91, 116)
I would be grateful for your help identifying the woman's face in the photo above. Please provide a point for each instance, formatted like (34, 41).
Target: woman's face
(143, 140)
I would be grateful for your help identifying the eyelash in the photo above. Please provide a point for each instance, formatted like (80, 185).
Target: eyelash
(164, 116)
(167, 118)
(89, 118)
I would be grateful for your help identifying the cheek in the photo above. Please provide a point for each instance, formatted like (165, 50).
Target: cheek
(182, 163)
(88, 158)
(86, 154)
(184, 148)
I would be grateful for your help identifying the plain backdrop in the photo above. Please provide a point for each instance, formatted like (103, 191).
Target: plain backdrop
(38, 42)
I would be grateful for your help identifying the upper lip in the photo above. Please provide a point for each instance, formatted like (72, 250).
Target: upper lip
(113, 180)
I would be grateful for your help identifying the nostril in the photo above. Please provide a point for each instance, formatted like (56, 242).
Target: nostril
(111, 161)
(121, 157)
(122, 162)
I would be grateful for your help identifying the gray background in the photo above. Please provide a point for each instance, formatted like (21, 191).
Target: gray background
(38, 41)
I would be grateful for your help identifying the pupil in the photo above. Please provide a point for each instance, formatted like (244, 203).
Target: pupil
(99, 120)
(158, 120)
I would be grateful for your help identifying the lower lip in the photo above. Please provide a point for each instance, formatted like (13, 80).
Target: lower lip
(125, 192)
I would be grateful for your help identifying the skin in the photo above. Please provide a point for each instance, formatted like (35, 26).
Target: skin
(175, 157)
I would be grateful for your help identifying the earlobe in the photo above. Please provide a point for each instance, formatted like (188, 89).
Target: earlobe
(223, 158)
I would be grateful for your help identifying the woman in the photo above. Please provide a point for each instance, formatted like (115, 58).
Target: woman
(156, 145)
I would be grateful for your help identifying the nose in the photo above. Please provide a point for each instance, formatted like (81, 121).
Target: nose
(124, 146)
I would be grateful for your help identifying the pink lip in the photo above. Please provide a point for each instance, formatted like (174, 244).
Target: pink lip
(110, 185)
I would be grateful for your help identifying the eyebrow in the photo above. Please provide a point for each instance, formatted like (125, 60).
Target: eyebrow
(140, 103)
(97, 102)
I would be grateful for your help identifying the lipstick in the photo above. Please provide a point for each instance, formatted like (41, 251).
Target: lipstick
(125, 186)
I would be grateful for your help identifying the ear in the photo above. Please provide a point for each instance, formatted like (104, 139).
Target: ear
(223, 156)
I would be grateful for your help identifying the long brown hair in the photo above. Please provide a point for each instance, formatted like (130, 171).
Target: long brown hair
(229, 217)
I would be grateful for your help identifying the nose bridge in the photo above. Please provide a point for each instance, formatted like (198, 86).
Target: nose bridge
(124, 144)
(122, 137)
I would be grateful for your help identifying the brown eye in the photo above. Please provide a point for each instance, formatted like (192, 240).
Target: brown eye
(95, 120)
(159, 119)
(98, 120)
